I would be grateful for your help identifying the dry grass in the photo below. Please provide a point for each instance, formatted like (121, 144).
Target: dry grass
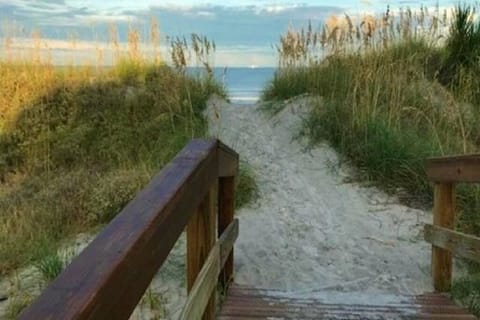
(346, 34)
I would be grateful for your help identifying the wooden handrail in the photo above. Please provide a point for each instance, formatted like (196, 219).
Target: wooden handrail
(109, 277)
(461, 244)
(445, 172)
(463, 168)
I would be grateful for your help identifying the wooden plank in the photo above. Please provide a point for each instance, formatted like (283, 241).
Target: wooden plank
(264, 304)
(443, 216)
(226, 204)
(226, 241)
(201, 235)
(199, 299)
(461, 244)
(205, 283)
(464, 168)
(228, 161)
(108, 278)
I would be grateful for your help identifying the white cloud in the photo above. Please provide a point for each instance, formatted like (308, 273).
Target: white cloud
(37, 7)
(106, 18)
(86, 52)
(204, 13)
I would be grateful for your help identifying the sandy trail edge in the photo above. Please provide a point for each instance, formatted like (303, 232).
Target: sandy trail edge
(310, 231)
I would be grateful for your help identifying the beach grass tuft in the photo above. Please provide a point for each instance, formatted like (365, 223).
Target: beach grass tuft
(247, 189)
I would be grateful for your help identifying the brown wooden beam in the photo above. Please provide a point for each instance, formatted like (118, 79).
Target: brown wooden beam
(443, 216)
(461, 244)
(465, 168)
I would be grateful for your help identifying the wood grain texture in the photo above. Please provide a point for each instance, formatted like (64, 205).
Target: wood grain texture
(465, 168)
(458, 243)
(443, 216)
(108, 278)
(201, 235)
(205, 283)
(226, 204)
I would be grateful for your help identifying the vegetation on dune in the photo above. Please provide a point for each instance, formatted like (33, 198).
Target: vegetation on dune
(247, 188)
(392, 95)
(77, 143)
(76, 154)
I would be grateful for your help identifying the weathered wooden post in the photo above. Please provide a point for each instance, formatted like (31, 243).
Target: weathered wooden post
(226, 199)
(201, 238)
(443, 216)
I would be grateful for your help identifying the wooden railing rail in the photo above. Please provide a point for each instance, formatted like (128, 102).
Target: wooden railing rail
(445, 172)
(203, 287)
(109, 277)
(463, 245)
(464, 168)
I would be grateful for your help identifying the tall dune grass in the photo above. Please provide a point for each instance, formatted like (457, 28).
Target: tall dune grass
(78, 142)
(393, 95)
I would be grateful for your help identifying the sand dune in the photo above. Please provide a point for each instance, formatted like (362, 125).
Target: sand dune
(312, 230)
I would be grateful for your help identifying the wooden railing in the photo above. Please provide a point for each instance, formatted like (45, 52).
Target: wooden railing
(445, 173)
(109, 277)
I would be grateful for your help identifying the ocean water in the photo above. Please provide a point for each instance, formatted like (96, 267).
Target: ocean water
(244, 85)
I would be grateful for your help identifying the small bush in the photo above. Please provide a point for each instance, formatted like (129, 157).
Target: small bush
(50, 266)
(247, 189)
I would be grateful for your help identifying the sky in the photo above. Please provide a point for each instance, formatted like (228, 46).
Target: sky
(244, 31)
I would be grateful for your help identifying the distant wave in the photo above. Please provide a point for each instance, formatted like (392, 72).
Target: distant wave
(245, 85)
(244, 99)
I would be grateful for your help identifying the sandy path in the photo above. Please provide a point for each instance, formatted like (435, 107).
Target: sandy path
(310, 230)
(309, 233)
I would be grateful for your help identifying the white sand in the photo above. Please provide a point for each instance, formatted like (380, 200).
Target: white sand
(310, 230)
(310, 233)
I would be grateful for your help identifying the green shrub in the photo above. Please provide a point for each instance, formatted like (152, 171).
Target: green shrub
(247, 189)
(50, 266)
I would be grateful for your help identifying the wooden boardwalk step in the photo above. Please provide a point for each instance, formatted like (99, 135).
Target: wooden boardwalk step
(250, 303)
